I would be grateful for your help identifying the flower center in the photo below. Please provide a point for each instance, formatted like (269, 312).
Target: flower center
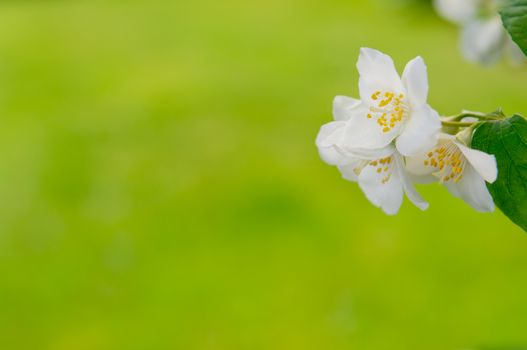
(383, 167)
(449, 160)
(389, 109)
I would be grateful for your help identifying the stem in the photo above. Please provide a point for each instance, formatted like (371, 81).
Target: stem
(481, 116)
(458, 124)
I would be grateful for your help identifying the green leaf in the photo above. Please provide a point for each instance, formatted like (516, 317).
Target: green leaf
(507, 140)
(514, 17)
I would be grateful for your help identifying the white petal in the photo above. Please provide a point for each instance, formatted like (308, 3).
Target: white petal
(332, 156)
(408, 187)
(387, 196)
(423, 179)
(418, 172)
(377, 73)
(343, 106)
(516, 55)
(364, 133)
(444, 137)
(329, 135)
(370, 154)
(483, 163)
(453, 188)
(415, 79)
(349, 172)
(457, 11)
(483, 41)
(420, 132)
(416, 165)
(473, 190)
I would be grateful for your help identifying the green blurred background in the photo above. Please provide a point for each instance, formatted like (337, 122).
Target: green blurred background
(161, 189)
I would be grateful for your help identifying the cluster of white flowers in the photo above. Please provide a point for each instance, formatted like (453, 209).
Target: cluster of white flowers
(391, 137)
(483, 38)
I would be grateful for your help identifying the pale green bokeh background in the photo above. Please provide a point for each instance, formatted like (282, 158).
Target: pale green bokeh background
(161, 189)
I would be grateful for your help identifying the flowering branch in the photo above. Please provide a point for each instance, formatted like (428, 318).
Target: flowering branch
(391, 137)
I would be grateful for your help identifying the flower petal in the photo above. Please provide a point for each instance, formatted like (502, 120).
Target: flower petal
(473, 190)
(370, 154)
(422, 179)
(329, 135)
(482, 41)
(342, 107)
(417, 172)
(420, 133)
(349, 172)
(416, 165)
(483, 163)
(364, 133)
(415, 79)
(332, 156)
(408, 187)
(388, 195)
(516, 55)
(457, 11)
(452, 187)
(377, 72)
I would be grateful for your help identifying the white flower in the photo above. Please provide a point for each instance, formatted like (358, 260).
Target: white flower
(380, 173)
(390, 108)
(458, 11)
(484, 39)
(461, 169)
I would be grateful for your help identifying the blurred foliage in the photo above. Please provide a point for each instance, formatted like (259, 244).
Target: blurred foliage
(161, 188)
(413, 4)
